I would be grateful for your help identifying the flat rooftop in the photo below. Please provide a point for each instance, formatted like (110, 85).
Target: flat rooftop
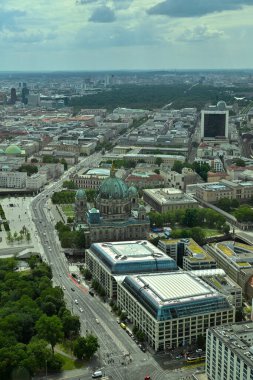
(175, 294)
(132, 250)
(238, 337)
(240, 254)
(169, 195)
(133, 257)
(172, 286)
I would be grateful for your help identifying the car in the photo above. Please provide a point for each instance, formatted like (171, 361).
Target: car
(97, 374)
(97, 321)
(76, 302)
(64, 288)
(147, 378)
(199, 350)
(81, 309)
(72, 289)
(143, 349)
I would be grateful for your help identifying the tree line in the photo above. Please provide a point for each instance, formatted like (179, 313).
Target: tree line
(68, 196)
(193, 217)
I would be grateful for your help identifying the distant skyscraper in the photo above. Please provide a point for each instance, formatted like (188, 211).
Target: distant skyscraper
(25, 93)
(214, 124)
(13, 96)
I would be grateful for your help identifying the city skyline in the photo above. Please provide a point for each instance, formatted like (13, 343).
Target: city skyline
(101, 35)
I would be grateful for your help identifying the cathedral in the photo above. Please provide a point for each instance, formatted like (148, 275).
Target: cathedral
(117, 215)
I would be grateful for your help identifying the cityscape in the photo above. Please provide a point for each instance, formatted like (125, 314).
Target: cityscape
(126, 190)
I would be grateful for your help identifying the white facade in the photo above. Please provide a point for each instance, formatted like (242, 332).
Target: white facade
(14, 180)
(229, 354)
(36, 181)
(172, 309)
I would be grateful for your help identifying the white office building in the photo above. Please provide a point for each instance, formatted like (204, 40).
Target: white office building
(172, 309)
(229, 352)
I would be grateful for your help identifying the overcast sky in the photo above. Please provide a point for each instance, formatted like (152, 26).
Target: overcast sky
(125, 34)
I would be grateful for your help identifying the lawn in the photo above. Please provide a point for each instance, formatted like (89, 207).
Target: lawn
(68, 210)
(70, 364)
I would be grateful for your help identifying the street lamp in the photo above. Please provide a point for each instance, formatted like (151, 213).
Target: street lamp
(46, 369)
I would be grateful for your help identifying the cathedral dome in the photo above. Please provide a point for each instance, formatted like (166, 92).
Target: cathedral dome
(132, 191)
(12, 149)
(80, 194)
(113, 187)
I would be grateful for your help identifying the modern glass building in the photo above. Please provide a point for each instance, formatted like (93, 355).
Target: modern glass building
(107, 260)
(172, 309)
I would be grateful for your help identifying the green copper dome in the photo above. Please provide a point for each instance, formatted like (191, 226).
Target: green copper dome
(80, 194)
(113, 187)
(13, 149)
(132, 190)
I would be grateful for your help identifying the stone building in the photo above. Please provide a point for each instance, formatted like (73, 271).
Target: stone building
(117, 215)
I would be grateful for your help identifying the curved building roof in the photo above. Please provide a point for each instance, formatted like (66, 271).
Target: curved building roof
(132, 190)
(114, 188)
(80, 194)
(13, 149)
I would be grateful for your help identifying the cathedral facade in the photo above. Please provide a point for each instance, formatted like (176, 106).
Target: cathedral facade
(117, 215)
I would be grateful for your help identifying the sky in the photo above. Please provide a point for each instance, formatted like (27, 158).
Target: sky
(68, 35)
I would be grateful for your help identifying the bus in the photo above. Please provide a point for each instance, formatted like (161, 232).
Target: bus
(196, 360)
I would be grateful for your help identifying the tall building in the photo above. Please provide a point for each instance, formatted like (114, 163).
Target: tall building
(229, 352)
(13, 96)
(214, 124)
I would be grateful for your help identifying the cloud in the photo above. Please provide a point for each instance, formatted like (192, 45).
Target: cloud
(103, 14)
(8, 19)
(27, 37)
(117, 36)
(200, 33)
(84, 2)
(195, 8)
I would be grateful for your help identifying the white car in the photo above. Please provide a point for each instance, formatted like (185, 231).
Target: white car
(76, 302)
(81, 309)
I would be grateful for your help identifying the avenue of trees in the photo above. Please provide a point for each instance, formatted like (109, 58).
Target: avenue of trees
(33, 319)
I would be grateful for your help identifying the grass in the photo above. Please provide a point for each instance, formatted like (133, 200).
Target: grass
(225, 250)
(68, 210)
(242, 264)
(244, 246)
(70, 364)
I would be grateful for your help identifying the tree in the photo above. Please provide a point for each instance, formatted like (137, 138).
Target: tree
(29, 169)
(226, 229)
(177, 167)
(198, 235)
(50, 329)
(224, 204)
(158, 161)
(38, 354)
(34, 161)
(71, 324)
(239, 162)
(85, 347)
